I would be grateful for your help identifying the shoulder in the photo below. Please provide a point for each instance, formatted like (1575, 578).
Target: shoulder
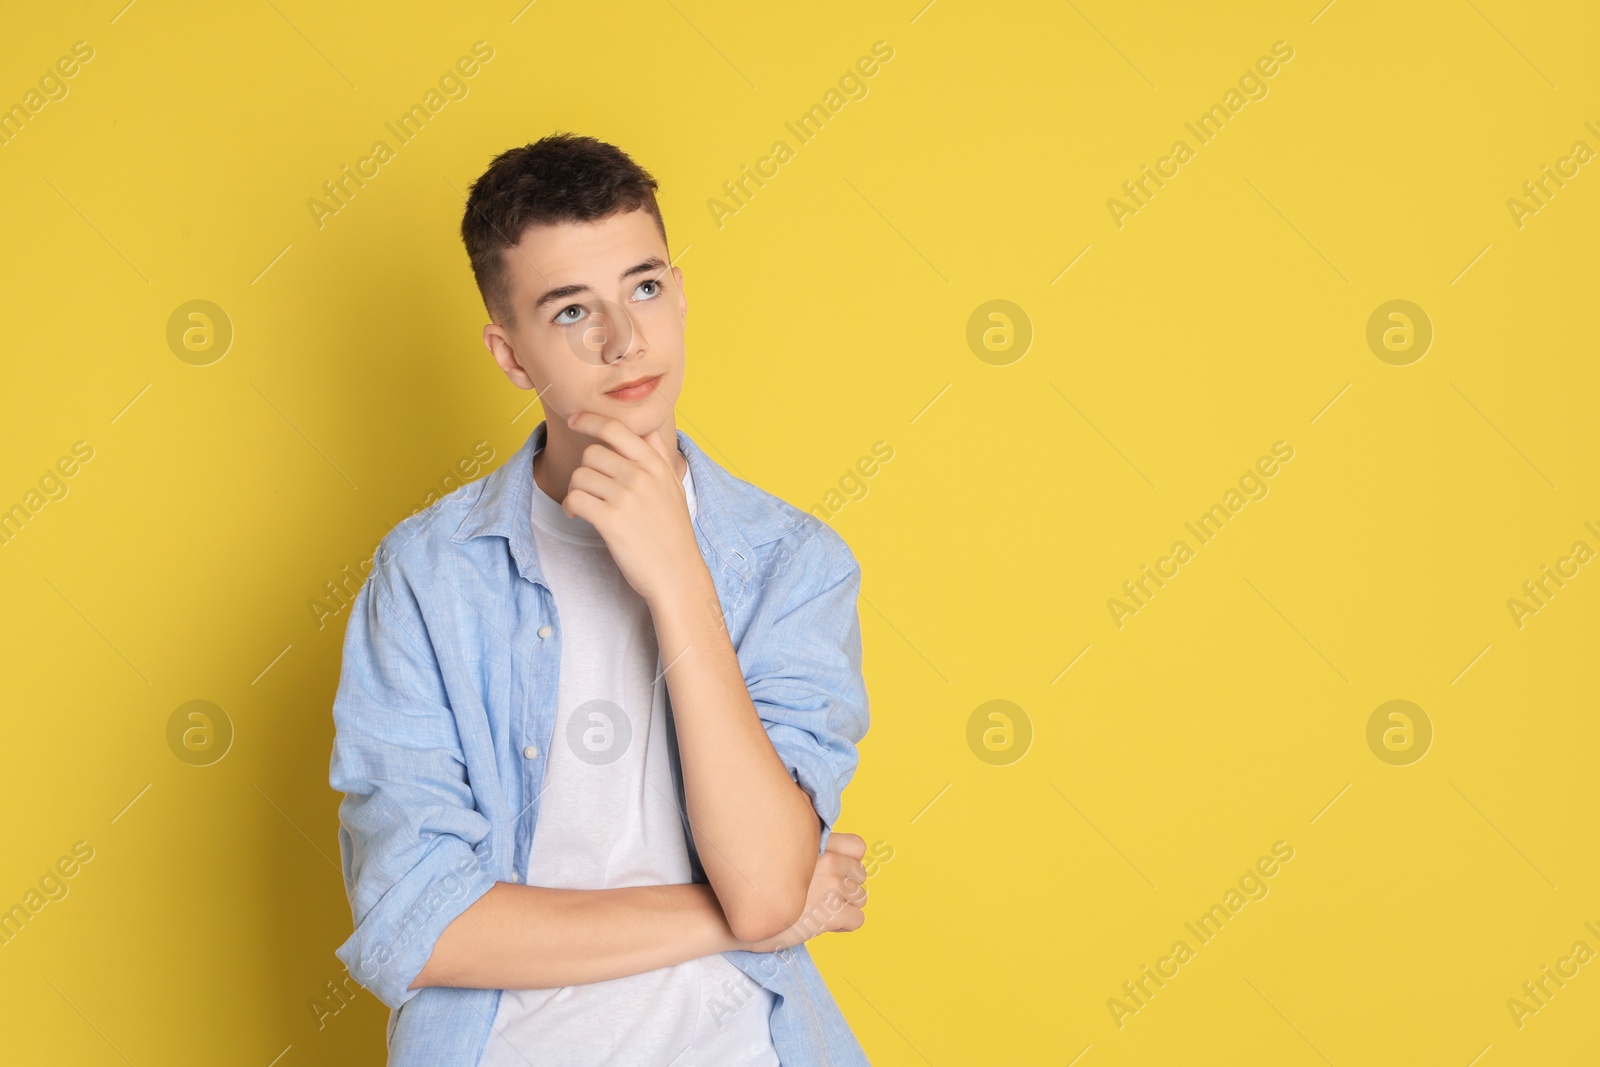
(415, 546)
(782, 535)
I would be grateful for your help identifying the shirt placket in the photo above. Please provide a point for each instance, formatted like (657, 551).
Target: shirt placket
(532, 722)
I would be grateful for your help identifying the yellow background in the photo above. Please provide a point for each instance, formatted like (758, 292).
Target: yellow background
(830, 313)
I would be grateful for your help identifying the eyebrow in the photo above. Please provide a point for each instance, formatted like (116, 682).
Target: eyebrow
(561, 292)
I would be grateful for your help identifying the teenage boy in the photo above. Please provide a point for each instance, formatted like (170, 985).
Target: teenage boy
(596, 709)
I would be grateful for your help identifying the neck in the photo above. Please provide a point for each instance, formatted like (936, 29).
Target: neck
(563, 453)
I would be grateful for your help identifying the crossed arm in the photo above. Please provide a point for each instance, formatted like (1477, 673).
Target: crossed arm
(755, 829)
(531, 937)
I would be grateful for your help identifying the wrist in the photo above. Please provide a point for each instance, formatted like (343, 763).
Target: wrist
(689, 590)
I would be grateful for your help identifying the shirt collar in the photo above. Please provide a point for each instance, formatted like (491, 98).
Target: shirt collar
(503, 506)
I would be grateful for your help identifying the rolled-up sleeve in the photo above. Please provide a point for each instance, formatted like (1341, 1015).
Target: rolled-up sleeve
(408, 826)
(802, 665)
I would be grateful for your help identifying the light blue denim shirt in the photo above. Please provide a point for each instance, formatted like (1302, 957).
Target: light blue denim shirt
(447, 699)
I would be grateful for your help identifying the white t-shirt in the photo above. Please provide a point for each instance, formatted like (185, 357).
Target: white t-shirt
(609, 818)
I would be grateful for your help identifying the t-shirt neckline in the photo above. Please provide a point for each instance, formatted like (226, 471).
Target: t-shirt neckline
(548, 516)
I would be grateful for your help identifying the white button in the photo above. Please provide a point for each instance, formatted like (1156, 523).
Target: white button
(531, 752)
(514, 877)
(545, 631)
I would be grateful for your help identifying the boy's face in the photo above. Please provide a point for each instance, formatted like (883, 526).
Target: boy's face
(596, 305)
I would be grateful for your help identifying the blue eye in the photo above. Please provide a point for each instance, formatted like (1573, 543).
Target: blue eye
(572, 314)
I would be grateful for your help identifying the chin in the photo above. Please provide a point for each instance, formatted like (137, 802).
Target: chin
(641, 422)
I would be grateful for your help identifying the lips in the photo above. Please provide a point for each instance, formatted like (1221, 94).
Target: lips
(634, 389)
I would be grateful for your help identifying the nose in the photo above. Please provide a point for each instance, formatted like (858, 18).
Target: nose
(612, 335)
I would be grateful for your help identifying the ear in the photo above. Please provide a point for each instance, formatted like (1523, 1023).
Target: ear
(498, 343)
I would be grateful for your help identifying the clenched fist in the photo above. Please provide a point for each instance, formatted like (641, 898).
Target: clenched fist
(835, 898)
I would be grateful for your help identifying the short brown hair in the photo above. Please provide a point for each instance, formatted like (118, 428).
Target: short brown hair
(559, 178)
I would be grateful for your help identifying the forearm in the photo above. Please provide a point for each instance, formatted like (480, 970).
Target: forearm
(534, 937)
(755, 829)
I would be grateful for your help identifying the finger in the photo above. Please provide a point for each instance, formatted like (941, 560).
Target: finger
(812, 922)
(592, 482)
(603, 458)
(850, 845)
(580, 504)
(613, 432)
(655, 441)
